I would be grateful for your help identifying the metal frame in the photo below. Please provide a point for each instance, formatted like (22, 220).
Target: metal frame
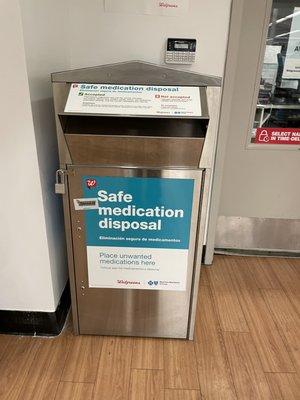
(226, 96)
(228, 92)
(70, 254)
(141, 73)
(262, 47)
(117, 296)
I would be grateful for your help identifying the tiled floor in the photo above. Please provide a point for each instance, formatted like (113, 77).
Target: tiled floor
(247, 346)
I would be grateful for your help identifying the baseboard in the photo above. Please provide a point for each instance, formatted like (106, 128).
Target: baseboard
(259, 234)
(36, 323)
(258, 252)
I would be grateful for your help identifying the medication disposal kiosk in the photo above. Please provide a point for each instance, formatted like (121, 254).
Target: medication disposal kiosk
(136, 146)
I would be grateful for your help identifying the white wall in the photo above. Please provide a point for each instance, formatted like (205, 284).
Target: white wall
(97, 37)
(25, 276)
(33, 263)
(47, 50)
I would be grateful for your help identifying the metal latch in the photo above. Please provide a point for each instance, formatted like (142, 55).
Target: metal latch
(60, 187)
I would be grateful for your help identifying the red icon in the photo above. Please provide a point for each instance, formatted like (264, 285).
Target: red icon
(90, 183)
(263, 136)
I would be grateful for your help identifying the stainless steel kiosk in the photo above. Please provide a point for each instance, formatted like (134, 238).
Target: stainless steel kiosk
(136, 147)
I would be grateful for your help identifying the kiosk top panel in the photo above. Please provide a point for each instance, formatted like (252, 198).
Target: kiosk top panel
(138, 72)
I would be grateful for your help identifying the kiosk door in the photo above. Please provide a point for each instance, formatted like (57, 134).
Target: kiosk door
(134, 234)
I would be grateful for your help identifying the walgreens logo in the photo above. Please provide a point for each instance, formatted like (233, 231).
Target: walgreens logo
(163, 4)
(91, 183)
(125, 282)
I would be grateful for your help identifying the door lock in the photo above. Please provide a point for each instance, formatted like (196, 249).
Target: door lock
(60, 186)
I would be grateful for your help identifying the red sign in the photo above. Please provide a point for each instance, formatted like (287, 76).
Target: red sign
(278, 136)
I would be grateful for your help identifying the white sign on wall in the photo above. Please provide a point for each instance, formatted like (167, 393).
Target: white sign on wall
(292, 60)
(154, 7)
(134, 100)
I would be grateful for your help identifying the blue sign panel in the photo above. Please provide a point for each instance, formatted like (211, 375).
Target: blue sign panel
(154, 211)
(137, 231)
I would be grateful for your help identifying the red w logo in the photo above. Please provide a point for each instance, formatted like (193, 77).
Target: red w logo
(90, 183)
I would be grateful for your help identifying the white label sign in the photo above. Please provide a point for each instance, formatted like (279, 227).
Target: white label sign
(154, 7)
(130, 268)
(134, 100)
(292, 61)
(86, 204)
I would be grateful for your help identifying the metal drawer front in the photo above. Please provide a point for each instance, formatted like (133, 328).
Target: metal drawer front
(134, 151)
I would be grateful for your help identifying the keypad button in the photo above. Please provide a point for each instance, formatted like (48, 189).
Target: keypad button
(179, 57)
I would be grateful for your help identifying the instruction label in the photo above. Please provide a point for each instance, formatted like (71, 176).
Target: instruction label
(138, 100)
(138, 237)
(278, 136)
